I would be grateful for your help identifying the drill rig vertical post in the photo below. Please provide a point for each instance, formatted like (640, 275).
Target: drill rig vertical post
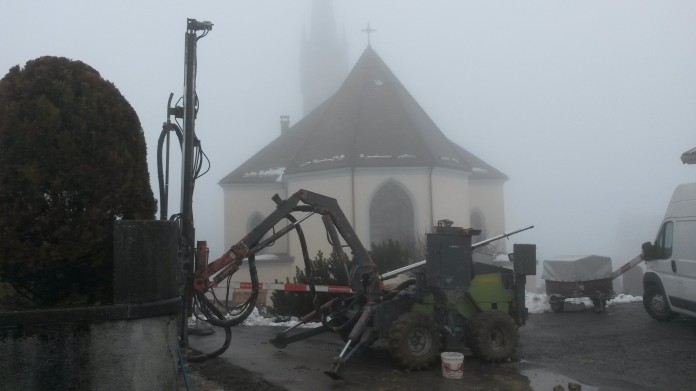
(188, 234)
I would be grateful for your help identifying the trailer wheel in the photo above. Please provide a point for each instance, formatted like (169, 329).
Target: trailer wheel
(599, 303)
(414, 340)
(556, 306)
(556, 303)
(493, 336)
(656, 304)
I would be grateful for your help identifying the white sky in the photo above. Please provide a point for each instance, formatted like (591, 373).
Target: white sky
(585, 105)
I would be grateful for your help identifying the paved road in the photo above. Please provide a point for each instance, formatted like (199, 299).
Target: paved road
(621, 349)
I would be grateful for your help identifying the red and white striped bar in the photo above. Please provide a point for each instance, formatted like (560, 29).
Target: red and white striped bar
(292, 287)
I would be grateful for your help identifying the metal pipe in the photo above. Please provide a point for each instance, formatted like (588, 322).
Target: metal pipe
(345, 349)
(282, 232)
(398, 271)
(629, 265)
(505, 235)
(416, 265)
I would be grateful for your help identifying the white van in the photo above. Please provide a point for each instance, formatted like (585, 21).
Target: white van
(670, 279)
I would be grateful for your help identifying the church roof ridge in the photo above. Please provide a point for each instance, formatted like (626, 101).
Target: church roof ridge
(371, 121)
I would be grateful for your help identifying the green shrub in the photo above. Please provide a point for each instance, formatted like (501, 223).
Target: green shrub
(72, 161)
(388, 255)
(327, 271)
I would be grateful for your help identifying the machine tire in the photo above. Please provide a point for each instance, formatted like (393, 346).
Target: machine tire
(556, 303)
(656, 304)
(414, 340)
(493, 336)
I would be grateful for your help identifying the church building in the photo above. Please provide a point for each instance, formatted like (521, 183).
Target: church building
(370, 146)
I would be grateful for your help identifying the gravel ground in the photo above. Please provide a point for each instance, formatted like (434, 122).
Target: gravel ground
(619, 349)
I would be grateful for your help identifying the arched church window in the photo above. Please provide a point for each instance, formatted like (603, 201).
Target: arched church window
(478, 221)
(391, 215)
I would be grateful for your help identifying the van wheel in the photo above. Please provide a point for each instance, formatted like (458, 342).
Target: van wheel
(656, 304)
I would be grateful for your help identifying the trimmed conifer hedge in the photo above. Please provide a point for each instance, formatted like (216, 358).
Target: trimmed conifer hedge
(72, 161)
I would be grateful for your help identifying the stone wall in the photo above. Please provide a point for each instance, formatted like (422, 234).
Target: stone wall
(128, 345)
(135, 354)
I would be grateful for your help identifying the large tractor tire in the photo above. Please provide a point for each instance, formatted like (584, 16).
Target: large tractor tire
(493, 336)
(656, 304)
(414, 340)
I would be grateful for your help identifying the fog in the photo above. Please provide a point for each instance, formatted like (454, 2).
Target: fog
(585, 105)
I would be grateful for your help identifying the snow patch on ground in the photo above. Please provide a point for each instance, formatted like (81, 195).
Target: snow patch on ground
(256, 319)
(538, 303)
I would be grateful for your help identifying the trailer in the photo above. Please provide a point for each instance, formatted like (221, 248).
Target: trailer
(582, 276)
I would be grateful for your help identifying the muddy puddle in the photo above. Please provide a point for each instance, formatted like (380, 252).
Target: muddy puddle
(543, 379)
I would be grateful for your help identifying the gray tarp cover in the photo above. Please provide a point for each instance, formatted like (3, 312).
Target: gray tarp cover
(577, 268)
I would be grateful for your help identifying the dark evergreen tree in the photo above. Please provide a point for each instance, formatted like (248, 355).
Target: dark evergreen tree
(387, 255)
(72, 161)
(390, 255)
(326, 271)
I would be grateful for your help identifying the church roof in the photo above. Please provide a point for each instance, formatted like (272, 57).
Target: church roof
(372, 121)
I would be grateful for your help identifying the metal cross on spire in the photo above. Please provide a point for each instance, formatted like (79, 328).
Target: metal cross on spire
(368, 30)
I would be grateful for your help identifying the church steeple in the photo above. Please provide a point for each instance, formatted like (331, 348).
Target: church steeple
(324, 57)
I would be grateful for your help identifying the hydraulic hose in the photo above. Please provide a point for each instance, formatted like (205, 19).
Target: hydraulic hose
(309, 271)
(305, 256)
(222, 349)
(216, 318)
(164, 186)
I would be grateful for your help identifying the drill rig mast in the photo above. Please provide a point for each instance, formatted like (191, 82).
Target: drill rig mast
(192, 157)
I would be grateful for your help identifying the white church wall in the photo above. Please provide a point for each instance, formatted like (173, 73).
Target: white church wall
(451, 196)
(488, 196)
(241, 202)
(362, 183)
(269, 270)
(454, 197)
(331, 183)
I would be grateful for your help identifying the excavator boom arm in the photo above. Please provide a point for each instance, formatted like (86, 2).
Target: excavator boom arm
(301, 201)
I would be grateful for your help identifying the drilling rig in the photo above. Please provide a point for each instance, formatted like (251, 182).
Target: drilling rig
(452, 302)
(192, 164)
